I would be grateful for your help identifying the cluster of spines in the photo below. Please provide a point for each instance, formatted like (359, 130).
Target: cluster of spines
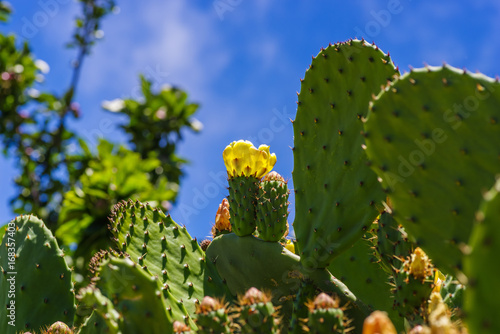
(256, 313)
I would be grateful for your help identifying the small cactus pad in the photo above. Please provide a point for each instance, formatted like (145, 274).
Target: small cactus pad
(136, 295)
(256, 313)
(481, 297)
(272, 208)
(336, 193)
(413, 285)
(359, 269)
(325, 316)
(35, 281)
(391, 242)
(433, 137)
(212, 316)
(154, 241)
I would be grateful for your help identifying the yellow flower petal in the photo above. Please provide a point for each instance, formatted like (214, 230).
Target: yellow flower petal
(241, 158)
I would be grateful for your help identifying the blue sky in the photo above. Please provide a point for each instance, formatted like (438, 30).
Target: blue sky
(242, 61)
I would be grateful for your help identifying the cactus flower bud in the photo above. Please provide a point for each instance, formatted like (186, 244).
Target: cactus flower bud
(180, 327)
(222, 217)
(243, 159)
(420, 265)
(378, 323)
(254, 296)
(324, 301)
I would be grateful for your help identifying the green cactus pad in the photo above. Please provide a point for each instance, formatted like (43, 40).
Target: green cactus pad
(391, 242)
(242, 202)
(104, 318)
(272, 210)
(359, 269)
(37, 283)
(136, 296)
(96, 324)
(433, 137)
(246, 262)
(481, 297)
(336, 194)
(156, 242)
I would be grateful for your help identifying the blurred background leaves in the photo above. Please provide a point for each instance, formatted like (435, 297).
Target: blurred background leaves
(61, 179)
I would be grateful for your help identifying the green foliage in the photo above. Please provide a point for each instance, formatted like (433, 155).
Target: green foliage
(330, 174)
(5, 11)
(155, 123)
(113, 175)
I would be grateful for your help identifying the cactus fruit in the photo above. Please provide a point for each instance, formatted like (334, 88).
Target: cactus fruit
(433, 138)
(325, 316)
(481, 267)
(256, 313)
(272, 208)
(245, 166)
(413, 286)
(35, 280)
(336, 194)
(154, 241)
(378, 323)
(212, 316)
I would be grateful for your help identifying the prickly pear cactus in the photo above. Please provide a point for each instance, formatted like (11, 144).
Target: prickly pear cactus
(433, 136)
(35, 280)
(155, 242)
(240, 262)
(361, 271)
(481, 296)
(331, 176)
(140, 304)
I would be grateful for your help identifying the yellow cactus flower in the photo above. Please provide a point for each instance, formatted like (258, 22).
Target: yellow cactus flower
(243, 159)
(290, 246)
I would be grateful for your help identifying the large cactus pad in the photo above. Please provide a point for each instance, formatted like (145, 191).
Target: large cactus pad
(336, 192)
(433, 137)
